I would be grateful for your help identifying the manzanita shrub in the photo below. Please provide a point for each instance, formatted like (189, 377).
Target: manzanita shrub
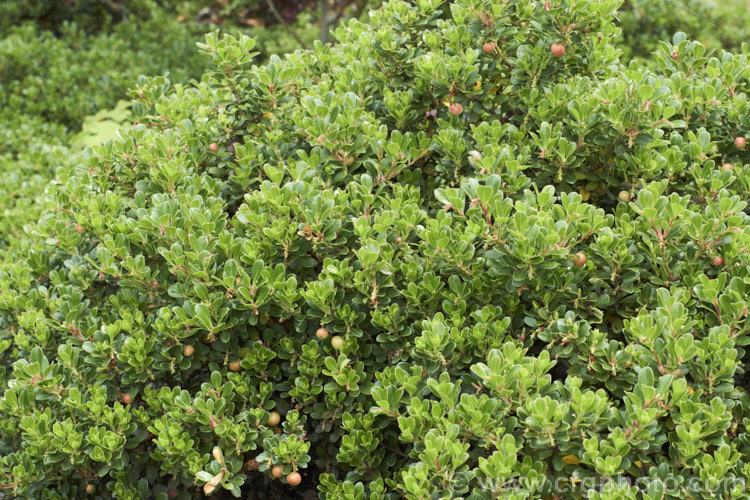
(30, 150)
(52, 80)
(437, 260)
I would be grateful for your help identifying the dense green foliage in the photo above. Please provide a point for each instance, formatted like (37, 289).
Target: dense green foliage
(26, 166)
(90, 15)
(531, 269)
(716, 24)
(50, 81)
(64, 79)
(61, 62)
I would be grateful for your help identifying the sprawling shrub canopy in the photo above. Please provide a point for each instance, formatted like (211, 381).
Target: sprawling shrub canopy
(424, 200)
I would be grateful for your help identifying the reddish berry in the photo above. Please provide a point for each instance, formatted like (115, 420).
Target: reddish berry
(188, 350)
(321, 333)
(277, 471)
(127, 398)
(579, 259)
(456, 109)
(557, 49)
(235, 366)
(213, 147)
(718, 261)
(90, 488)
(489, 47)
(740, 142)
(80, 229)
(726, 167)
(293, 478)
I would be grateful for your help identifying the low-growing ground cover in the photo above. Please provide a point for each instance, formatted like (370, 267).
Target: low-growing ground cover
(464, 252)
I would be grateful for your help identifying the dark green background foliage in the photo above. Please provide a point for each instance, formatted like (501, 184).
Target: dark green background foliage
(92, 15)
(714, 23)
(65, 79)
(346, 190)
